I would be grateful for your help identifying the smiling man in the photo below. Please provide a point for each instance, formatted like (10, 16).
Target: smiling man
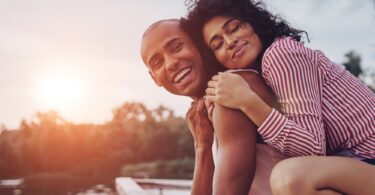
(175, 63)
(172, 59)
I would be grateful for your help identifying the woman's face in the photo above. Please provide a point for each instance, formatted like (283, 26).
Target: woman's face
(234, 43)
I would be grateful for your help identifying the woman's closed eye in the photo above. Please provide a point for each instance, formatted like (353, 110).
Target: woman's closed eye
(216, 44)
(233, 26)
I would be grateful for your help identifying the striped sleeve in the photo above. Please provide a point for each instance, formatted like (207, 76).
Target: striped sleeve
(290, 70)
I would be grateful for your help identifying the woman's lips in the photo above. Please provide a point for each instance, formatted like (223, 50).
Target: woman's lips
(239, 51)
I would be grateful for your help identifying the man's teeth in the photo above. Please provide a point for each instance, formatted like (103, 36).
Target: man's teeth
(181, 75)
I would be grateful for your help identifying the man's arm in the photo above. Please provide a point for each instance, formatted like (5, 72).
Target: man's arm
(236, 135)
(236, 155)
(202, 131)
(203, 172)
(235, 166)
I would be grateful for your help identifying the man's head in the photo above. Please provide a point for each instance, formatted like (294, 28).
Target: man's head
(173, 60)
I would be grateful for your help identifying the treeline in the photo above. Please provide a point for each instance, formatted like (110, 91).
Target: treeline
(353, 64)
(135, 142)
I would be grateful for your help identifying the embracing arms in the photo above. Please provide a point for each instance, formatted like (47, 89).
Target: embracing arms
(235, 154)
(235, 134)
(294, 78)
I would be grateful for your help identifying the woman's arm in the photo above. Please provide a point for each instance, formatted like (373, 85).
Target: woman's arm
(243, 91)
(291, 70)
(296, 81)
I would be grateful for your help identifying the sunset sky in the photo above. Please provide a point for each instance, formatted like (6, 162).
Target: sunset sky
(89, 51)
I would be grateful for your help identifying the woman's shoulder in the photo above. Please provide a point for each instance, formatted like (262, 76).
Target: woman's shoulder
(242, 70)
(286, 52)
(287, 48)
(284, 44)
(281, 48)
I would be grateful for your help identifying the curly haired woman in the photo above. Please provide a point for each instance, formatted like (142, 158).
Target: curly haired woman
(325, 111)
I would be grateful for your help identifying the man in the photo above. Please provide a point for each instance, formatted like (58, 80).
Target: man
(175, 63)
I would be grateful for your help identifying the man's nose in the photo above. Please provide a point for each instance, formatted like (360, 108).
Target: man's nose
(230, 42)
(171, 62)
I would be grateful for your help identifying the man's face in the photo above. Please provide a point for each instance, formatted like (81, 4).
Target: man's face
(173, 60)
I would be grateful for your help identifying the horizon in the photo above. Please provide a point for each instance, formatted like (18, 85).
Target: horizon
(90, 49)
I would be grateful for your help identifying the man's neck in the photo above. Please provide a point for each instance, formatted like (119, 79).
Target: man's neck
(202, 91)
(198, 95)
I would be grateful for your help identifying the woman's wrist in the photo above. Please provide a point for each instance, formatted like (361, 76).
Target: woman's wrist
(248, 102)
(256, 109)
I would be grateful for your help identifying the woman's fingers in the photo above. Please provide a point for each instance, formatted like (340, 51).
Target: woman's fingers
(211, 99)
(212, 84)
(210, 91)
(216, 77)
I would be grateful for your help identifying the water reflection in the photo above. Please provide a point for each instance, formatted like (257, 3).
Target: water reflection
(19, 187)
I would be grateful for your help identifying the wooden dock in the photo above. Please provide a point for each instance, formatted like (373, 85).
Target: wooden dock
(130, 186)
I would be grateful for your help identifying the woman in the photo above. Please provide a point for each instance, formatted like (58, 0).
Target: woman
(317, 97)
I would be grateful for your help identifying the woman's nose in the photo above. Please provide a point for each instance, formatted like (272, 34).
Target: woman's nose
(230, 42)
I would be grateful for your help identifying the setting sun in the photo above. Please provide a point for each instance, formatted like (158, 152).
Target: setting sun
(58, 91)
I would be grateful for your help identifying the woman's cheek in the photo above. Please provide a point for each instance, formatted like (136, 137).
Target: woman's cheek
(222, 57)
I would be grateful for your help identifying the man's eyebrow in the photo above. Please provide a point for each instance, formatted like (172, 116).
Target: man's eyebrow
(166, 46)
(171, 42)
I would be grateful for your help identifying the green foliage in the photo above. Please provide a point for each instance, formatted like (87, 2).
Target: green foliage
(353, 63)
(136, 134)
(173, 169)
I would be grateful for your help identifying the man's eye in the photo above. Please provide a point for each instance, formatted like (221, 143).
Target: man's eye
(156, 64)
(176, 47)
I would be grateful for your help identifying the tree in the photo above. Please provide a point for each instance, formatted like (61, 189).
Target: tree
(353, 63)
(3, 128)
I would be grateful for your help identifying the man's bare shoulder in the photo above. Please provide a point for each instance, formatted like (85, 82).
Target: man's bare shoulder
(229, 123)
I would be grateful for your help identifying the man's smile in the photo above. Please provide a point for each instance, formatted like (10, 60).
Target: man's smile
(178, 77)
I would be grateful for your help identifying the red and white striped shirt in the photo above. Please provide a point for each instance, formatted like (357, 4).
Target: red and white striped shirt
(324, 109)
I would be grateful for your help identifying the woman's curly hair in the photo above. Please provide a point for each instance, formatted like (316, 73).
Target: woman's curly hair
(266, 25)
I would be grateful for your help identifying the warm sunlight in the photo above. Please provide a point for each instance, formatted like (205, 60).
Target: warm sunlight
(59, 90)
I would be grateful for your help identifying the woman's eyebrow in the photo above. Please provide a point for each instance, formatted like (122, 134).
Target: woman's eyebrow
(227, 22)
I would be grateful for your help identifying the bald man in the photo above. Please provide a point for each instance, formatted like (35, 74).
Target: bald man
(176, 64)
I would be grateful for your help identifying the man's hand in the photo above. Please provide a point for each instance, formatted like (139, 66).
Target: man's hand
(199, 124)
(202, 131)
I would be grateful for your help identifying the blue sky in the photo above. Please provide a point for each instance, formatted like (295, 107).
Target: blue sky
(94, 45)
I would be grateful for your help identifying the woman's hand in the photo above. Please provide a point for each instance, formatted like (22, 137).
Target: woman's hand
(199, 125)
(229, 90)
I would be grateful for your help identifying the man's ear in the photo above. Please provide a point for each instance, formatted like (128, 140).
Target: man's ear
(153, 78)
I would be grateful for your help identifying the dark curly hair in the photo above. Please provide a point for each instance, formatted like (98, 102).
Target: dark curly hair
(266, 25)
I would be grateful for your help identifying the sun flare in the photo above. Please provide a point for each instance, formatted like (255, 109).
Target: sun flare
(58, 91)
